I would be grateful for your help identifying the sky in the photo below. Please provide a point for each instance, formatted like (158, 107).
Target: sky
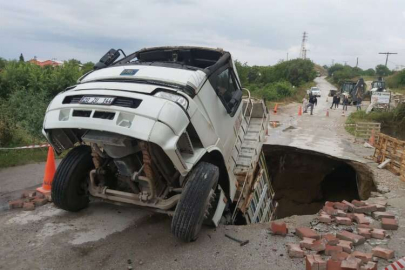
(259, 32)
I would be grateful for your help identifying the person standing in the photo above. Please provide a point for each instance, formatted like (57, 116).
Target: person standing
(358, 104)
(334, 100)
(304, 103)
(316, 101)
(337, 102)
(345, 103)
(310, 104)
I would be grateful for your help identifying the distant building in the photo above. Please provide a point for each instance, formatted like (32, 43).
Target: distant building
(43, 63)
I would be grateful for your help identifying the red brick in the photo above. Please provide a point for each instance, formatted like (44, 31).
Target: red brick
(330, 239)
(341, 206)
(40, 195)
(315, 262)
(378, 233)
(294, 251)
(369, 266)
(325, 219)
(348, 236)
(378, 215)
(389, 224)
(15, 204)
(333, 265)
(330, 210)
(29, 206)
(329, 204)
(279, 228)
(341, 213)
(383, 253)
(340, 256)
(349, 205)
(329, 250)
(343, 221)
(358, 203)
(39, 201)
(365, 209)
(346, 246)
(364, 257)
(360, 219)
(351, 263)
(366, 232)
(319, 245)
(28, 194)
(306, 243)
(367, 226)
(306, 232)
(380, 208)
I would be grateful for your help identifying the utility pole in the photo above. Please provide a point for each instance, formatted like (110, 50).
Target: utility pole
(357, 62)
(345, 62)
(303, 54)
(387, 53)
(287, 56)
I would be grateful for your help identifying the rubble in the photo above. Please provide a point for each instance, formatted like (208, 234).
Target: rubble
(330, 239)
(365, 232)
(343, 220)
(28, 206)
(354, 238)
(279, 228)
(346, 246)
(364, 257)
(389, 224)
(307, 243)
(329, 250)
(307, 232)
(315, 262)
(351, 263)
(383, 253)
(29, 200)
(378, 233)
(295, 251)
(379, 215)
(15, 204)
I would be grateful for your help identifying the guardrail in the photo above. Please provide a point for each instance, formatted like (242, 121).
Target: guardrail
(365, 129)
(387, 147)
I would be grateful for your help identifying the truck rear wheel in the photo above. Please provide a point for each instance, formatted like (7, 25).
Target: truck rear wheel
(194, 202)
(69, 186)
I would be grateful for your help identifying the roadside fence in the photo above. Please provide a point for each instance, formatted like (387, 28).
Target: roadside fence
(364, 130)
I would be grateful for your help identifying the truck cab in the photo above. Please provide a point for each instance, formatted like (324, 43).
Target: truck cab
(161, 128)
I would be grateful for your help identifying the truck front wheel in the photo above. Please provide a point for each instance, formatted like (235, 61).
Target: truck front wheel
(69, 186)
(195, 201)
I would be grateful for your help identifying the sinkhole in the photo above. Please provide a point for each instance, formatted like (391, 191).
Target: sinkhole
(303, 180)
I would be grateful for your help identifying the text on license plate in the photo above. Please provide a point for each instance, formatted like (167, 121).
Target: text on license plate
(97, 100)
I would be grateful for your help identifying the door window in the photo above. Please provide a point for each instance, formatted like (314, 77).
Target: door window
(226, 88)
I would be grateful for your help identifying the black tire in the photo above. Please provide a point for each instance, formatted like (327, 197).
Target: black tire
(189, 214)
(69, 186)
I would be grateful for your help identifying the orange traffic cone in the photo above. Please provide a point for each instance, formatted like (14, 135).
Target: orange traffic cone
(300, 111)
(49, 173)
(371, 141)
(275, 108)
(327, 112)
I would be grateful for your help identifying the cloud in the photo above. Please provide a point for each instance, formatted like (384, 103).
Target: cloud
(259, 32)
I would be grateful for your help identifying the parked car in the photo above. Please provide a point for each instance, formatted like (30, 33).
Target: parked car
(315, 91)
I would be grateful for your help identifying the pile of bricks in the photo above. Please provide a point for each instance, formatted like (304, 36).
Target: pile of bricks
(29, 200)
(337, 251)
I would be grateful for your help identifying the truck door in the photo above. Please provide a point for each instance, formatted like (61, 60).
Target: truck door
(222, 98)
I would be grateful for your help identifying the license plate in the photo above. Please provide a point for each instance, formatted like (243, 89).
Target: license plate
(97, 100)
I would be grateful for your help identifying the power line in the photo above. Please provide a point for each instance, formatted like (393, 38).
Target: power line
(388, 54)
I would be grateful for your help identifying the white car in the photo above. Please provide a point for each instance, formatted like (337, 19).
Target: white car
(156, 129)
(315, 91)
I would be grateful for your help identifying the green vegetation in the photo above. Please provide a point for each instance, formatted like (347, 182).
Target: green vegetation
(338, 73)
(392, 120)
(286, 81)
(10, 158)
(25, 92)
(396, 82)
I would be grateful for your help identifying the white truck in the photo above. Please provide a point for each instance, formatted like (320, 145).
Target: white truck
(166, 129)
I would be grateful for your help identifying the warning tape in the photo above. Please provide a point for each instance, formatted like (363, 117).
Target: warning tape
(277, 123)
(27, 146)
(400, 264)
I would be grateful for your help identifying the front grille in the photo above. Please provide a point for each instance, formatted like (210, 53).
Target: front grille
(79, 113)
(119, 101)
(104, 115)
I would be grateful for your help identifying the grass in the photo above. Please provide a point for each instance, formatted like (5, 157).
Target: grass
(9, 158)
(297, 97)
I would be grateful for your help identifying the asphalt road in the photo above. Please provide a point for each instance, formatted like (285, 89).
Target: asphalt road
(106, 236)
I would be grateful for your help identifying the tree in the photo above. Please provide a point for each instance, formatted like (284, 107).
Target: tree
(89, 66)
(382, 70)
(369, 72)
(22, 58)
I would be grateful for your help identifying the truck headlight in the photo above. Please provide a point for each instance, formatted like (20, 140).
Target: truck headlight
(173, 97)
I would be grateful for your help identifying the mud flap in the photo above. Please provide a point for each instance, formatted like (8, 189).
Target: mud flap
(220, 207)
